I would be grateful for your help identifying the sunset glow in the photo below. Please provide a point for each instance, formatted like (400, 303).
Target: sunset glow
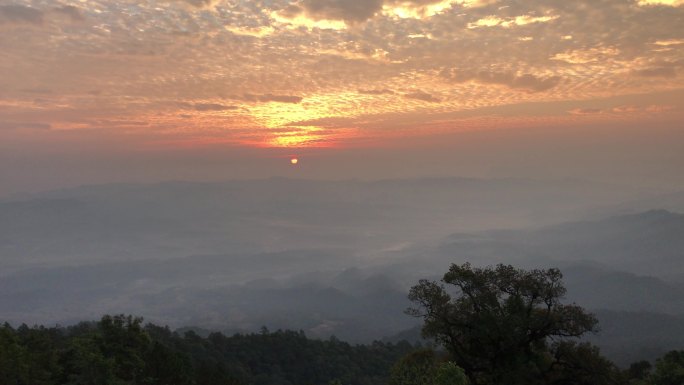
(249, 76)
(285, 73)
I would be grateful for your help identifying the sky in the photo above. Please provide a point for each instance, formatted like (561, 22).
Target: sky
(109, 91)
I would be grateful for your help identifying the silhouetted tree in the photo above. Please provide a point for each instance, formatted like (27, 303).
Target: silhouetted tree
(638, 373)
(12, 364)
(580, 364)
(669, 369)
(425, 367)
(499, 325)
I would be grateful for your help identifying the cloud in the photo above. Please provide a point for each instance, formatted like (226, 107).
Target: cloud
(527, 82)
(657, 109)
(625, 109)
(422, 9)
(584, 56)
(357, 11)
(671, 3)
(669, 42)
(16, 14)
(657, 72)
(74, 13)
(622, 109)
(25, 125)
(144, 55)
(534, 84)
(384, 91)
(424, 96)
(295, 17)
(494, 21)
(585, 111)
(353, 11)
(349, 11)
(630, 109)
(213, 107)
(273, 98)
(203, 4)
(418, 9)
(19, 14)
(258, 32)
(653, 108)
(37, 90)
(204, 107)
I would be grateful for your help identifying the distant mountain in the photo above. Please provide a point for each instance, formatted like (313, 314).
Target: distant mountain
(596, 287)
(230, 293)
(673, 201)
(645, 244)
(648, 243)
(123, 222)
(627, 337)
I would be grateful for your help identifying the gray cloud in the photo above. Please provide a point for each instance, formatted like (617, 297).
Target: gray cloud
(585, 111)
(213, 107)
(272, 98)
(383, 91)
(37, 90)
(534, 83)
(206, 106)
(424, 96)
(20, 14)
(353, 11)
(200, 3)
(350, 11)
(657, 72)
(29, 125)
(527, 82)
(74, 13)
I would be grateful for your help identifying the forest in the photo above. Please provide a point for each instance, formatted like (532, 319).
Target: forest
(483, 326)
(122, 350)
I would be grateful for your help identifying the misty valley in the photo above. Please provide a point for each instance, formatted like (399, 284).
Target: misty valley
(331, 259)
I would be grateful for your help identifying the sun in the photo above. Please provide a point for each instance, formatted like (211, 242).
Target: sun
(294, 161)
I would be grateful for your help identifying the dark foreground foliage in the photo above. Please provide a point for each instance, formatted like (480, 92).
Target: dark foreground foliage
(504, 325)
(121, 350)
(497, 326)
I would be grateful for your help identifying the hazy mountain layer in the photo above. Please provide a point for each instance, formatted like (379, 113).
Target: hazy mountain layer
(329, 257)
(134, 222)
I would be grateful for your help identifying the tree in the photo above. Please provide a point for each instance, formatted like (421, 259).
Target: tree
(41, 358)
(448, 373)
(499, 324)
(581, 364)
(12, 368)
(123, 341)
(639, 372)
(425, 367)
(416, 368)
(669, 369)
